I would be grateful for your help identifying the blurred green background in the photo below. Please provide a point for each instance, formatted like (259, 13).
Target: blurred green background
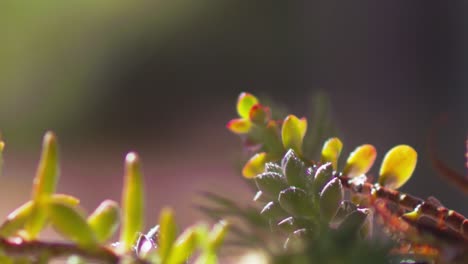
(162, 77)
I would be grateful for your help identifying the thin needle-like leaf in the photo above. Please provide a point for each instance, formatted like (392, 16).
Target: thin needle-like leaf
(132, 202)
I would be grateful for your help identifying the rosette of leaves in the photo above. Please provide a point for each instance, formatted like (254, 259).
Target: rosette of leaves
(304, 195)
(87, 236)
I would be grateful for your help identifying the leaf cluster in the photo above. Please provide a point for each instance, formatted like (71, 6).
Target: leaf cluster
(88, 236)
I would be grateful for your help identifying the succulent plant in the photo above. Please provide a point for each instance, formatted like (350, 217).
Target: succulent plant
(303, 198)
(87, 237)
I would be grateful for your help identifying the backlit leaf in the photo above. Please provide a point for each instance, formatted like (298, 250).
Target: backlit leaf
(245, 103)
(330, 199)
(270, 183)
(167, 232)
(45, 184)
(397, 166)
(360, 161)
(294, 169)
(321, 177)
(70, 222)
(239, 125)
(259, 114)
(217, 235)
(17, 219)
(293, 132)
(132, 202)
(295, 201)
(255, 165)
(105, 220)
(183, 247)
(331, 151)
(47, 172)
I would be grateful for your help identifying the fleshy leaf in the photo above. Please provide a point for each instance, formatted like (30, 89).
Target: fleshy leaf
(272, 210)
(259, 114)
(217, 235)
(132, 202)
(71, 223)
(292, 133)
(397, 166)
(47, 173)
(270, 183)
(45, 184)
(294, 169)
(290, 224)
(255, 165)
(273, 167)
(360, 161)
(331, 151)
(322, 176)
(105, 220)
(345, 208)
(244, 103)
(183, 247)
(167, 232)
(272, 139)
(295, 201)
(330, 199)
(239, 125)
(353, 221)
(17, 219)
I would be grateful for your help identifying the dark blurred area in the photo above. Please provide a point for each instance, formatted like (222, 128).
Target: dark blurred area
(162, 78)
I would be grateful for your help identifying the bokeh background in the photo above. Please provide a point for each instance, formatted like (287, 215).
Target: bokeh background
(162, 77)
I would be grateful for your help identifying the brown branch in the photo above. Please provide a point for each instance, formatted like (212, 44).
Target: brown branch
(36, 249)
(441, 215)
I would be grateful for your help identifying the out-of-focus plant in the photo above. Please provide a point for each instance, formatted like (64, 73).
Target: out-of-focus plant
(305, 214)
(87, 236)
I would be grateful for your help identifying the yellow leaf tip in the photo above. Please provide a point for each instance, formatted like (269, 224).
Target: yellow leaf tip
(50, 138)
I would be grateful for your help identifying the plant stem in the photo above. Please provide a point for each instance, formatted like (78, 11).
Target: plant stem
(36, 249)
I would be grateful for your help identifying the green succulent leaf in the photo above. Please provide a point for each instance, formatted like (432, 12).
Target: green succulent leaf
(45, 184)
(322, 177)
(217, 235)
(167, 232)
(6, 260)
(270, 183)
(259, 114)
(345, 208)
(75, 260)
(183, 247)
(244, 103)
(207, 257)
(47, 173)
(360, 161)
(353, 221)
(398, 166)
(255, 165)
(293, 132)
(239, 126)
(272, 210)
(17, 219)
(273, 167)
(105, 220)
(290, 224)
(294, 169)
(295, 201)
(70, 222)
(331, 151)
(330, 199)
(132, 202)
